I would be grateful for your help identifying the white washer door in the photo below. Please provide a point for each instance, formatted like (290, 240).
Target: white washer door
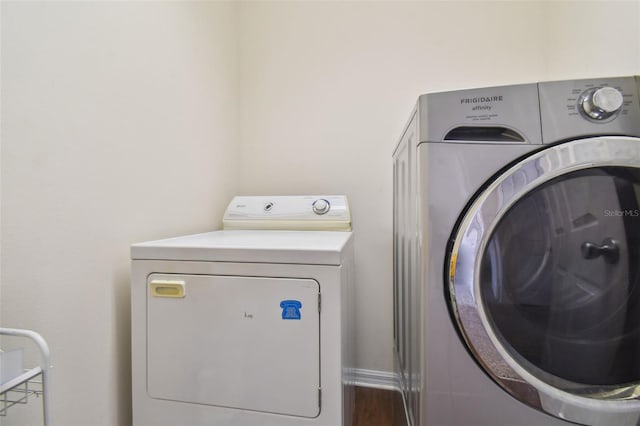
(248, 343)
(544, 279)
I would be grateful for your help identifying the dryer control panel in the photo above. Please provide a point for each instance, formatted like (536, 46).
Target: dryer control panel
(305, 212)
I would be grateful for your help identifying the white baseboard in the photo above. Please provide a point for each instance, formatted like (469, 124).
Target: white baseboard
(375, 379)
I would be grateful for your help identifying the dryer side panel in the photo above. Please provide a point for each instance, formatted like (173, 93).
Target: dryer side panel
(249, 343)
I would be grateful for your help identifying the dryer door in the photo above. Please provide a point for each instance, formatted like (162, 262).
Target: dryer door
(544, 280)
(249, 343)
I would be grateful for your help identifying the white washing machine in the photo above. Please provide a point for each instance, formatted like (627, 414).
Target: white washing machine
(517, 255)
(248, 326)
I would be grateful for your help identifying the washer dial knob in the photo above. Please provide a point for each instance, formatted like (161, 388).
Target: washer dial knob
(321, 206)
(599, 104)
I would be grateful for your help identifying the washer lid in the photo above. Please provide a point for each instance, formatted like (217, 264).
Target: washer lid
(301, 247)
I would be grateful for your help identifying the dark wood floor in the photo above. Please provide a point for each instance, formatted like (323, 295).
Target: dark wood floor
(378, 407)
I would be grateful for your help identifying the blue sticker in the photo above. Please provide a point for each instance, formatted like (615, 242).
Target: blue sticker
(290, 309)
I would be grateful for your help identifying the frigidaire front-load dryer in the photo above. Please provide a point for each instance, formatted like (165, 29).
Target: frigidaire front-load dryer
(517, 255)
(248, 326)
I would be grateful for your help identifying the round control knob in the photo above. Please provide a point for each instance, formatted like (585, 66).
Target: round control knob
(321, 206)
(599, 104)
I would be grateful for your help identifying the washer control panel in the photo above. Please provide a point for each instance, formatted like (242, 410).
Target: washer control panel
(306, 212)
(600, 103)
(591, 107)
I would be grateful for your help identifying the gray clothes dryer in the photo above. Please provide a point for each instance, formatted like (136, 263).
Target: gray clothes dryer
(517, 255)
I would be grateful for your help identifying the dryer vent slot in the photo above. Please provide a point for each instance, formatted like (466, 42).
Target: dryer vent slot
(484, 134)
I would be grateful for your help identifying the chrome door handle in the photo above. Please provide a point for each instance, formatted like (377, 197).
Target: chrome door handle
(609, 250)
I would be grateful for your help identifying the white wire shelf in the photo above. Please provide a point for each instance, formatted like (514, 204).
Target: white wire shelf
(31, 382)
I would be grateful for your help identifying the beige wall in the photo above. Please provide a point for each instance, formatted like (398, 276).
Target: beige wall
(327, 88)
(595, 38)
(118, 125)
(130, 121)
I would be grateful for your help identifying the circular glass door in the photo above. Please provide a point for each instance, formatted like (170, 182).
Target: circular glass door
(544, 280)
(559, 278)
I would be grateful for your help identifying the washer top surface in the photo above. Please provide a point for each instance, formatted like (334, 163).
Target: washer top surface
(255, 246)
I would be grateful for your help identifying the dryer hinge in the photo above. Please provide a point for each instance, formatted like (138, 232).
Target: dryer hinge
(320, 398)
(319, 302)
